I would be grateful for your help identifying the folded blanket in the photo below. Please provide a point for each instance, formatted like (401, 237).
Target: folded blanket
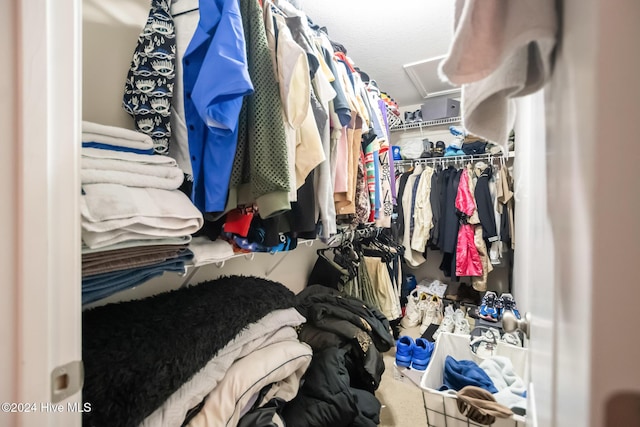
(125, 253)
(180, 240)
(275, 327)
(113, 213)
(131, 174)
(97, 154)
(108, 239)
(111, 202)
(115, 138)
(111, 264)
(102, 285)
(206, 251)
(281, 364)
(500, 50)
(136, 354)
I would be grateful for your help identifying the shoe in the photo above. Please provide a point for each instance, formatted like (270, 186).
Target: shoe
(511, 338)
(466, 294)
(488, 310)
(437, 288)
(404, 351)
(422, 352)
(508, 303)
(485, 345)
(428, 149)
(414, 309)
(409, 117)
(448, 323)
(438, 151)
(461, 324)
(457, 131)
(417, 116)
(432, 313)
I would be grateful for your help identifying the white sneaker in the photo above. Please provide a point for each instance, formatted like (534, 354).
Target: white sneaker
(485, 345)
(461, 324)
(432, 313)
(448, 323)
(414, 309)
(512, 338)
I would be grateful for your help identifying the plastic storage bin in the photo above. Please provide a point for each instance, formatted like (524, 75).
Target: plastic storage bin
(442, 409)
(440, 108)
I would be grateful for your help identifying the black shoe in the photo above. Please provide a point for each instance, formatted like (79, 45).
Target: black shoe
(417, 116)
(428, 149)
(438, 151)
(409, 117)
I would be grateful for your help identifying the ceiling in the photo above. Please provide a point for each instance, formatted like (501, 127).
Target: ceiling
(381, 36)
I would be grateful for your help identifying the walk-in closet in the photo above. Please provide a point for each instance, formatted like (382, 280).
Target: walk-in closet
(297, 213)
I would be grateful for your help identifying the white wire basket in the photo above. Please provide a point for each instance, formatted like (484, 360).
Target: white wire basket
(441, 406)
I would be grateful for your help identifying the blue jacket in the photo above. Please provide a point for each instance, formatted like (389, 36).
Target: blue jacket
(216, 80)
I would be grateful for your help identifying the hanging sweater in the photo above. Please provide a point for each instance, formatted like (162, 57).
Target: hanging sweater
(260, 168)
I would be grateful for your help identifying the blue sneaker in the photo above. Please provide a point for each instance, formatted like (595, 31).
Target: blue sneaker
(488, 309)
(404, 351)
(421, 354)
(508, 303)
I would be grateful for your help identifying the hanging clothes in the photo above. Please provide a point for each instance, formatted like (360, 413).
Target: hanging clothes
(149, 86)
(260, 166)
(468, 261)
(412, 257)
(434, 199)
(423, 213)
(212, 103)
(484, 201)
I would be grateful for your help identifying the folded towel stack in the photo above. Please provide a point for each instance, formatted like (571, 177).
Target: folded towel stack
(136, 224)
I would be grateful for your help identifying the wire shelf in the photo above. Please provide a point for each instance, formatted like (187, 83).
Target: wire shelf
(401, 126)
(452, 159)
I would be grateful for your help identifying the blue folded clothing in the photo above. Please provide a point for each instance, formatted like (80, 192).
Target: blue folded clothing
(102, 285)
(461, 373)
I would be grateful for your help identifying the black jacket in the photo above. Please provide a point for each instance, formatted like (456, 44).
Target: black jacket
(484, 204)
(347, 337)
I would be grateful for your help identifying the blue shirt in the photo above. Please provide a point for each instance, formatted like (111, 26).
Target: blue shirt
(216, 80)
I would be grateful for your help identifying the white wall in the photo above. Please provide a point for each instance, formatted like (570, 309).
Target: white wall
(110, 34)
(8, 207)
(615, 205)
(292, 270)
(594, 200)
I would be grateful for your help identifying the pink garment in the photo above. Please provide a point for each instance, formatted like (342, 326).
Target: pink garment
(342, 163)
(468, 262)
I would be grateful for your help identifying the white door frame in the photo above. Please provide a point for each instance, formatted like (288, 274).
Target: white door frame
(43, 225)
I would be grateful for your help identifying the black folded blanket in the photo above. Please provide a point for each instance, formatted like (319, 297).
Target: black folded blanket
(137, 353)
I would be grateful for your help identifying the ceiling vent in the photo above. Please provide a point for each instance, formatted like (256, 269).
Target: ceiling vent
(424, 76)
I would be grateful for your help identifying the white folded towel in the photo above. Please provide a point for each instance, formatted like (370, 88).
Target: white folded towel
(108, 239)
(132, 174)
(501, 49)
(108, 202)
(116, 136)
(144, 159)
(137, 212)
(206, 251)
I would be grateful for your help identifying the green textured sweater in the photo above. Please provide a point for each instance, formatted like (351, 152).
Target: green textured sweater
(260, 171)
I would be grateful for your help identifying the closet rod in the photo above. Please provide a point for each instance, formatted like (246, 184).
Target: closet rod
(453, 159)
(349, 235)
